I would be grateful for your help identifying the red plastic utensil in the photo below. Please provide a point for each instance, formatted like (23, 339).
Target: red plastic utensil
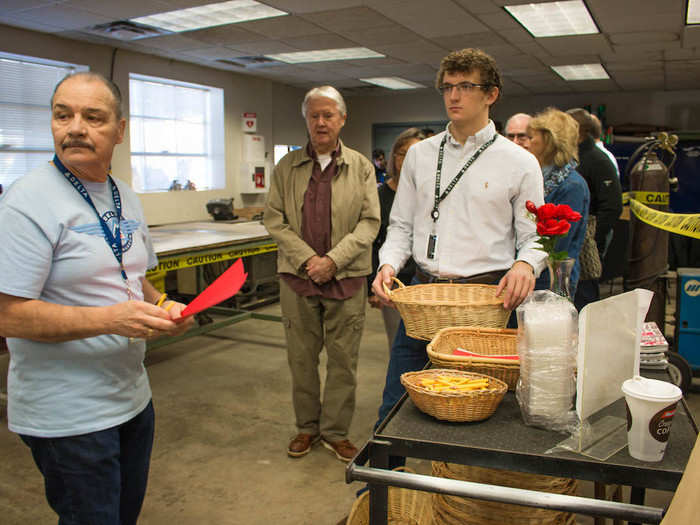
(225, 286)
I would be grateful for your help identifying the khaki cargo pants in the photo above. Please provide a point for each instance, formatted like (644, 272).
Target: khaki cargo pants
(310, 324)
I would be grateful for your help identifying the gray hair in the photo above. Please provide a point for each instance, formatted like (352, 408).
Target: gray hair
(517, 116)
(89, 75)
(327, 92)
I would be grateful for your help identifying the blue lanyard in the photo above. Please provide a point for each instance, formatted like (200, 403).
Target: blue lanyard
(113, 240)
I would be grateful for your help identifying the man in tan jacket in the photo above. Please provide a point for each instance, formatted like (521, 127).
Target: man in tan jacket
(323, 212)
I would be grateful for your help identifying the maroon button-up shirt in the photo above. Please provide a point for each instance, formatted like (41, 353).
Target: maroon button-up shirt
(316, 231)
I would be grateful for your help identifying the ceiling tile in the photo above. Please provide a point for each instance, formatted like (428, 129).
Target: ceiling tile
(224, 35)
(176, 42)
(60, 17)
(570, 59)
(479, 6)
(517, 35)
(394, 34)
(121, 10)
(321, 41)
(23, 23)
(634, 66)
(311, 6)
(622, 16)
(690, 36)
(478, 40)
(431, 19)
(357, 18)
(632, 53)
(575, 45)
(499, 20)
(417, 51)
(282, 27)
(645, 37)
(584, 86)
(265, 47)
(211, 53)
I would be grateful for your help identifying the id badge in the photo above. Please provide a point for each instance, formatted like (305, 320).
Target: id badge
(432, 245)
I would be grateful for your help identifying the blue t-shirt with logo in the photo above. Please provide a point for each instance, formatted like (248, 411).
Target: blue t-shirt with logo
(52, 248)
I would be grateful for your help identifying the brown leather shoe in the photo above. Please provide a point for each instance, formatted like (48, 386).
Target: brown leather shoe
(343, 450)
(301, 444)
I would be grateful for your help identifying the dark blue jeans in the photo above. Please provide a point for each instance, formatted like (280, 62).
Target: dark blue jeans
(407, 355)
(98, 478)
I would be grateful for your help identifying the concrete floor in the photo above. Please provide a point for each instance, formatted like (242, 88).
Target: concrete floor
(223, 421)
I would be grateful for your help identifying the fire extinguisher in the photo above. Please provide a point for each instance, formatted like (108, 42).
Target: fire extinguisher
(259, 177)
(649, 173)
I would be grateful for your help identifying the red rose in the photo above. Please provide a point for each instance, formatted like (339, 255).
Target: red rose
(551, 227)
(546, 211)
(565, 212)
(530, 206)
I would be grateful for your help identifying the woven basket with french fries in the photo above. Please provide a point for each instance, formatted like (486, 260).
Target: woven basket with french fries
(491, 345)
(426, 308)
(454, 395)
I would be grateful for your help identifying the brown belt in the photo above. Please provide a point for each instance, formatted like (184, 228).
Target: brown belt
(480, 278)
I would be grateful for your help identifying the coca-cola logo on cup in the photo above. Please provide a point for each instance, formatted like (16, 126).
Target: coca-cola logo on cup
(660, 424)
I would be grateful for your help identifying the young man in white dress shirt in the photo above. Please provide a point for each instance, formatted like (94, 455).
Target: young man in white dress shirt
(469, 228)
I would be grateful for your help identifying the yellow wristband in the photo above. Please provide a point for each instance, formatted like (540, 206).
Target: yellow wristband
(161, 299)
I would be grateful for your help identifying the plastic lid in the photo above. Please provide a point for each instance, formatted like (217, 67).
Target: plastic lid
(651, 389)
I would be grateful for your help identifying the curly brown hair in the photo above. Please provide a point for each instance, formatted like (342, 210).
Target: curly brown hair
(468, 60)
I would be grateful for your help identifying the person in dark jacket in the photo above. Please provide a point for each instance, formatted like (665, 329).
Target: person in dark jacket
(387, 192)
(606, 196)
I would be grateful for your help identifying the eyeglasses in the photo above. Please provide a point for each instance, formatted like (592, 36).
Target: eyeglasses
(518, 136)
(462, 87)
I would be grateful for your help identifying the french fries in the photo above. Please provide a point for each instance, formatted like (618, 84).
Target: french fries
(449, 383)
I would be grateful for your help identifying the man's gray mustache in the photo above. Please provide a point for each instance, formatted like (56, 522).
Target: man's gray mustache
(77, 144)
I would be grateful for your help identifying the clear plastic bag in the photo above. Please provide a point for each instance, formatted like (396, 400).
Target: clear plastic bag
(547, 346)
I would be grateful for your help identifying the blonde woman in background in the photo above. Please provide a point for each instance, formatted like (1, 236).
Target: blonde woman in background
(387, 192)
(553, 138)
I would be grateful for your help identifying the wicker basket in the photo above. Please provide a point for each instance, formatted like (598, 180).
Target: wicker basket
(453, 510)
(487, 341)
(404, 506)
(427, 308)
(454, 406)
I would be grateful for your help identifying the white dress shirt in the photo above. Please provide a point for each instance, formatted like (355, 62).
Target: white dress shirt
(610, 155)
(483, 224)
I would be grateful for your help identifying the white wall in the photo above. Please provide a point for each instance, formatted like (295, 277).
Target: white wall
(272, 102)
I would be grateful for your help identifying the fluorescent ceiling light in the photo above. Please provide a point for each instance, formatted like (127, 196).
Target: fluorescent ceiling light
(323, 55)
(581, 72)
(692, 16)
(392, 82)
(554, 18)
(209, 15)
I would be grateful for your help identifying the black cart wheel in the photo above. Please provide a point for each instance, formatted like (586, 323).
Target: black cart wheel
(680, 371)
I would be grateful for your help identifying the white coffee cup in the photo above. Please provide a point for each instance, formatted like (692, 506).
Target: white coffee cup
(650, 408)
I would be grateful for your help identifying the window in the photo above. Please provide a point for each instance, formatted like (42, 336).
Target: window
(177, 135)
(281, 150)
(26, 86)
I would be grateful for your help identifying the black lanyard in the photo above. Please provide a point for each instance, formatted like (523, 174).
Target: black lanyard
(439, 198)
(113, 240)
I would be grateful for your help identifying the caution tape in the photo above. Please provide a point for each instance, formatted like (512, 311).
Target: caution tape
(687, 224)
(650, 198)
(178, 262)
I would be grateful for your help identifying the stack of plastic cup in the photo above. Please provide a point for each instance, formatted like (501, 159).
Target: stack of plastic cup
(650, 408)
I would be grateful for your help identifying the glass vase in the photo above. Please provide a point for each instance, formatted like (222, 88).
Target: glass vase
(560, 276)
